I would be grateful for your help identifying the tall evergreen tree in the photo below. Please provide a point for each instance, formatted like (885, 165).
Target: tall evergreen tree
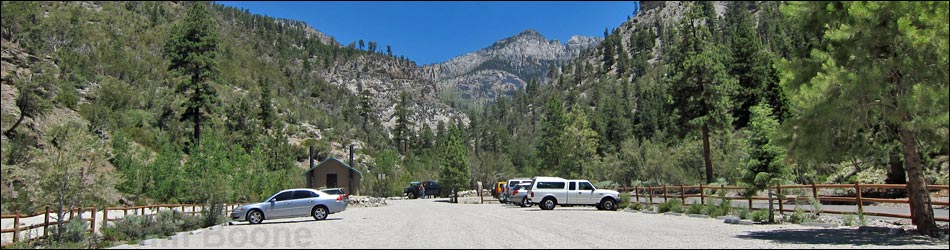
(267, 108)
(752, 66)
(552, 149)
(454, 172)
(402, 130)
(192, 50)
(867, 62)
(701, 87)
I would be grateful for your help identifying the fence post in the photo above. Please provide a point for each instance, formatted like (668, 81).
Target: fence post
(125, 211)
(750, 202)
(665, 198)
(105, 216)
(92, 227)
(780, 207)
(46, 223)
(857, 188)
(636, 193)
(814, 193)
(683, 194)
(702, 194)
(16, 225)
(650, 194)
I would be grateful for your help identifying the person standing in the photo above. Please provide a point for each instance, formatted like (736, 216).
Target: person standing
(422, 191)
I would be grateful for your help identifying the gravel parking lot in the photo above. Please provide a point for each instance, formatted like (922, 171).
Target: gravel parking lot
(437, 224)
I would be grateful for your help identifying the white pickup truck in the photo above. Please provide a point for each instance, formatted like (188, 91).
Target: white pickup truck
(550, 191)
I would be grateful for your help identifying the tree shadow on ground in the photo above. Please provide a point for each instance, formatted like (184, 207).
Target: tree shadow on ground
(841, 236)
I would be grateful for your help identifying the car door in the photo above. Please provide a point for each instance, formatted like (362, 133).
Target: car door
(573, 195)
(280, 206)
(301, 203)
(585, 193)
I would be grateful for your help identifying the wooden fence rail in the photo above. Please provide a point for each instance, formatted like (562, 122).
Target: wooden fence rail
(858, 200)
(71, 213)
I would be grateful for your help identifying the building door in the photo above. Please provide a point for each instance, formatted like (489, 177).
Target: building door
(331, 181)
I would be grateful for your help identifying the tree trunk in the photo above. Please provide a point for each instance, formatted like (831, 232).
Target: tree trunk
(919, 196)
(707, 155)
(896, 173)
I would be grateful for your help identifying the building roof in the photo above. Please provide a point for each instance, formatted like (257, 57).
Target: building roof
(336, 160)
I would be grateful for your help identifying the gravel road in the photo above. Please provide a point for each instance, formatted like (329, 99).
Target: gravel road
(437, 224)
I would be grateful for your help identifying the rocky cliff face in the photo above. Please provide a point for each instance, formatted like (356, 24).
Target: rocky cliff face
(385, 78)
(506, 65)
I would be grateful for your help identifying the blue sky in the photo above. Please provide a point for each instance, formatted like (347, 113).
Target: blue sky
(432, 32)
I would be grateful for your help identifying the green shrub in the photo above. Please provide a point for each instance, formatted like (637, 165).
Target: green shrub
(855, 220)
(760, 215)
(636, 206)
(136, 227)
(743, 212)
(624, 202)
(695, 208)
(799, 216)
(673, 205)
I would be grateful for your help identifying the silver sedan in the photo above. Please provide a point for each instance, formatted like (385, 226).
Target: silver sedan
(519, 195)
(291, 203)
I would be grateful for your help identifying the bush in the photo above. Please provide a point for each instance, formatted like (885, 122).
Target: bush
(760, 215)
(695, 208)
(673, 205)
(857, 219)
(743, 213)
(624, 202)
(799, 216)
(137, 227)
(636, 206)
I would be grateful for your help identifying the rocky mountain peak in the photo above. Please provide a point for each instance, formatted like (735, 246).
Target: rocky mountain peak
(506, 65)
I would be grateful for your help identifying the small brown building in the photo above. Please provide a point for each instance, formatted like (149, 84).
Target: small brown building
(333, 173)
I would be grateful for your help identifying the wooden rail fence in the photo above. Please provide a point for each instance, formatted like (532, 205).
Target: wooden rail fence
(71, 213)
(858, 200)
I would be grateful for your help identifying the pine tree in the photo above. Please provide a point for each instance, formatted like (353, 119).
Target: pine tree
(701, 87)
(454, 172)
(402, 130)
(267, 108)
(752, 66)
(192, 50)
(868, 62)
(552, 151)
(765, 164)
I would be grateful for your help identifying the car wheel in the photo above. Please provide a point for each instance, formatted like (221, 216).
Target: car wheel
(320, 213)
(608, 204)
(547, 204)
(524, 202)
(255, 217)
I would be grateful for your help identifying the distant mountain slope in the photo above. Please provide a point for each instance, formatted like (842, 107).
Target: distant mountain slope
(506, 66)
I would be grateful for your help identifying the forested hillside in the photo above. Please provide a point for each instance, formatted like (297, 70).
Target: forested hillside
(110, 73)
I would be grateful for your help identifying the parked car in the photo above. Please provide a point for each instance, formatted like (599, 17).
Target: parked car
(499, 187)
(337, 191)
(291, 203)
(550, 191)
(506, 190)
(519, 195)
(432, 189)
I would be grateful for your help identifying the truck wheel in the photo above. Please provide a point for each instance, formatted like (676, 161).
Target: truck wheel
(547, 204)
(608, 204)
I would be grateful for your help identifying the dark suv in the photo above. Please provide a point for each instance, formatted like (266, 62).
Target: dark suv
(432, 189)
